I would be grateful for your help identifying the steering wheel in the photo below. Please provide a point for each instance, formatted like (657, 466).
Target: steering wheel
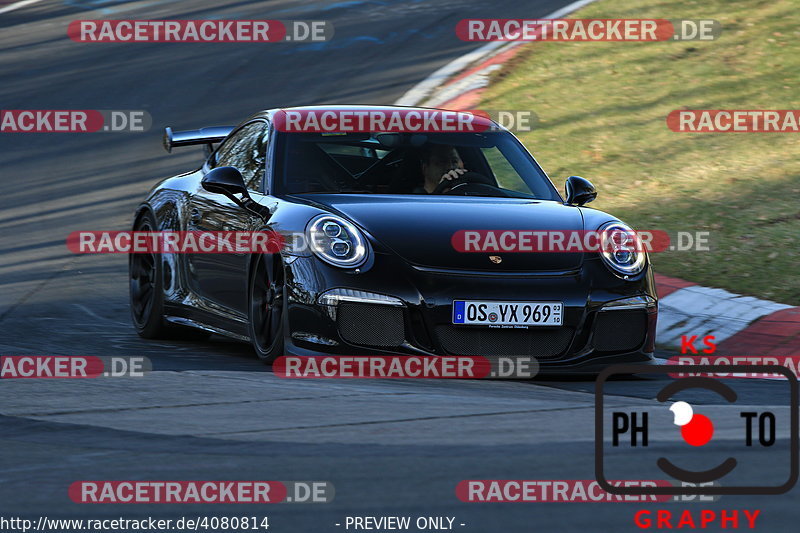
(467, 184)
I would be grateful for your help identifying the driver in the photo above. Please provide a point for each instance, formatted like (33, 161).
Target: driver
(440, 162)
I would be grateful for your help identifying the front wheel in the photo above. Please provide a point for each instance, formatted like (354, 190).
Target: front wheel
(265, 303)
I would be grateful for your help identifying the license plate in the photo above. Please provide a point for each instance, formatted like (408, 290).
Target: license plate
(476, 313)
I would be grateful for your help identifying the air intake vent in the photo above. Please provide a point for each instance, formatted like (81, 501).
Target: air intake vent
(541, 343)
(620, 331)
(380, 326)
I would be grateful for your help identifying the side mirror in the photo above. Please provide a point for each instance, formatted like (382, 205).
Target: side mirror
(580, 191)
(229, 181)
(224, 180)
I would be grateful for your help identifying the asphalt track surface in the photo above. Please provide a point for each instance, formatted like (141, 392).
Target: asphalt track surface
(210, 410)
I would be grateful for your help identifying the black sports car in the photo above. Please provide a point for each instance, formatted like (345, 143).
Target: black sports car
(380, 273)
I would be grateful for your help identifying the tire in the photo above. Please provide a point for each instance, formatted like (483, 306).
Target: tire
(146, 280)
(265, 303)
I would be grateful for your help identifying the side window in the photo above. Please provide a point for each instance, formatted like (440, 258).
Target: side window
(260, 157)
(246, 150)
(505, 174)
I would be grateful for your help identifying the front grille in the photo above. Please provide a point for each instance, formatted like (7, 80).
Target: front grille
(381, 326)
(541, 343)
(620, 331)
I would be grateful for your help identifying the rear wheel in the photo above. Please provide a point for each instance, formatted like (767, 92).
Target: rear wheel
(146, 274)
(146, 291)
(265, 303)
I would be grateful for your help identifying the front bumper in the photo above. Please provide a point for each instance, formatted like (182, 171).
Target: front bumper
(413, 315)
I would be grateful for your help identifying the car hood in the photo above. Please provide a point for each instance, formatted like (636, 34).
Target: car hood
(420, 229)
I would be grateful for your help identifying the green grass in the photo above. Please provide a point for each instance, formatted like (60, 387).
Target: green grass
(602, 110)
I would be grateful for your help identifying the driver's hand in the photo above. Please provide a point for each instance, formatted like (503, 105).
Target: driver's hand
(452, 174)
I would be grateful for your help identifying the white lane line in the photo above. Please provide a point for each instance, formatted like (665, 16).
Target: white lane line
(453, 90)
(98, 317)
(420, 91)
(17, 5)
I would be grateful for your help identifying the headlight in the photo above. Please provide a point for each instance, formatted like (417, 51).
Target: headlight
(336, 241)
(633, 302)
(622, 249)
(336, 296)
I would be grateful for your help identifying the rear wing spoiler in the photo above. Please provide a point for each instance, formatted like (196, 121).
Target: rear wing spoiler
(206, 136)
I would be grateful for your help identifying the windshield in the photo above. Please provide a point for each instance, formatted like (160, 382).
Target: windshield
(470, 164)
